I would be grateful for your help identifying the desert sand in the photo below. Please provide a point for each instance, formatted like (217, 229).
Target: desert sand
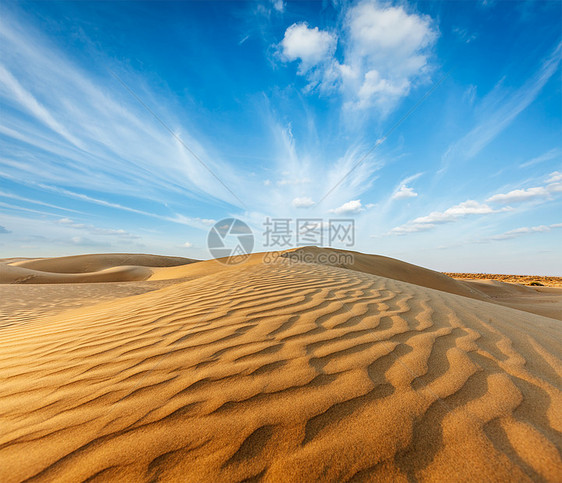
(536, 280)
(282, 371)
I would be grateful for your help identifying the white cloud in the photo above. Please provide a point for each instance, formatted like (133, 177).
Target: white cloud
(385, 52)
(524, 231)
(121, 144)
(515, 196)
(10, 84)
(403, 192)
(465, 208)
(82, 241)
(187, 245)
(128, 156)
(454, 213)
(352, 207)
(469, 207)
(303, 202)
(410, 228)
(375, 85)
(554, 185)
(379, 30)
(310, 46)
(278, 5)
(469, 94)
(13, 196)
(201, 223)
(293, 181)
(94, 230)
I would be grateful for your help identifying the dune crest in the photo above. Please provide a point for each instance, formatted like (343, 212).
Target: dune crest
(283, 372)
(97, 262)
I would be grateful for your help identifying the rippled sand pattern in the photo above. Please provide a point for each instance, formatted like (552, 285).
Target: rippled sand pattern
(283, 373)
(24, 303)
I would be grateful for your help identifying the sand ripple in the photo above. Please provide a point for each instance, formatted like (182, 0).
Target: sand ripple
(283, 373)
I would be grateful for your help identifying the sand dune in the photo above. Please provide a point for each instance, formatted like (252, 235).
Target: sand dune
(96, 262)
(538, 300)
(11, 274)
(387, 267)
(285, 372)
(110, 267)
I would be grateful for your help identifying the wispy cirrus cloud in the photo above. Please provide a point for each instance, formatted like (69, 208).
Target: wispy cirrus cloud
(95, 230)
(464, 35)
(499, 109)
(525, 230)
(13, 196)
(110, 144)
(554, 153)
(46, 234)
(95, 143)
(11, 86)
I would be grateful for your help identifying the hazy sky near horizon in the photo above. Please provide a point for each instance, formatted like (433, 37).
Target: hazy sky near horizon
(436, 126)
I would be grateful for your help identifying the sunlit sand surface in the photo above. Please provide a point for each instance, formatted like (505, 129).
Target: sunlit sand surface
(283, 371)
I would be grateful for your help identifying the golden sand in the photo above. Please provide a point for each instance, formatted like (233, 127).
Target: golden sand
(286, 371)
(537, 280)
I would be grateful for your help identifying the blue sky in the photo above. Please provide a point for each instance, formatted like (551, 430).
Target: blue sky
(436, 126)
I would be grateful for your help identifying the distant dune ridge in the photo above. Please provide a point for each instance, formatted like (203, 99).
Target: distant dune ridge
(283, 371)
(521, 279)
(110, 267)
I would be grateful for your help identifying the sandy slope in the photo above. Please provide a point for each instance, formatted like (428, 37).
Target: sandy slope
(22, 303)
(545, 301)
(386, 267)
(283, 372)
